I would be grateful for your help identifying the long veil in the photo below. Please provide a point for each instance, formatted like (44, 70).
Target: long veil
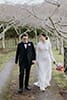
(36, 65)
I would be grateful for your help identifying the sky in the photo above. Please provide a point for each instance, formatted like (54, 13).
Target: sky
(22, 1)
(27, 1)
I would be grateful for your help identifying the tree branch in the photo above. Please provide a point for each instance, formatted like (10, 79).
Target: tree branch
(59, 33)
(56, 3)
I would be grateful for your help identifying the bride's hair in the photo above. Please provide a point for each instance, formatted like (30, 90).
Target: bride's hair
(44, 35)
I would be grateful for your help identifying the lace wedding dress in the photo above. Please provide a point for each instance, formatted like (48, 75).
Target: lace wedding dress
(44, 58)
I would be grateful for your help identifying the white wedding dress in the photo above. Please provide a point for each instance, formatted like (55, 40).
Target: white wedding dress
(44, 58)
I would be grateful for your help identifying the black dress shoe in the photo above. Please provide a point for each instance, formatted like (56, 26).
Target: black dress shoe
(28, 88)
(20, 91)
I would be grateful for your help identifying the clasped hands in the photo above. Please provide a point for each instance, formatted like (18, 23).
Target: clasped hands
(33, 61)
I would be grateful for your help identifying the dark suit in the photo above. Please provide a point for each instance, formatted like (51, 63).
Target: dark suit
(25, 57)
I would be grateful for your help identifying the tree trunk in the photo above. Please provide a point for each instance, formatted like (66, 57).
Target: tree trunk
(3, 35)
(57, 43)
(3, 41)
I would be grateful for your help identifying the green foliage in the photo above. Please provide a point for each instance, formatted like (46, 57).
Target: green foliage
(11, 33)
(31, 34)
(1, 29)
(39, 31)
(23, 29)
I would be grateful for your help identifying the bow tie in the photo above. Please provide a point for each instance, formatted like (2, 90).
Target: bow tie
(25, 45)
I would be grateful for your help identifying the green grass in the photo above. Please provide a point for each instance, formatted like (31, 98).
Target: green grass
(58, 57)
(59, 76)
(4, 58)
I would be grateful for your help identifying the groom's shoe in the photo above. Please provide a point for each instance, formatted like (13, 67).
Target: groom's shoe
(20, 91)
(28, 88)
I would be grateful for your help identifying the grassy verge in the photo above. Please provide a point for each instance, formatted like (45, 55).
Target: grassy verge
(59, 76)
(9, 89)
(5, 57)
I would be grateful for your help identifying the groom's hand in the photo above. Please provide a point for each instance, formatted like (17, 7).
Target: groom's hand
(33, 61)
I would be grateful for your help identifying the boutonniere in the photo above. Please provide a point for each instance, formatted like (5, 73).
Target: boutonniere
(29, 44)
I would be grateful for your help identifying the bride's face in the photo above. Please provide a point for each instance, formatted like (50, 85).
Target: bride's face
(42, 38)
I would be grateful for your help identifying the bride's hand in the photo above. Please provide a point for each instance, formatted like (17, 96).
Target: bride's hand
(33, 61)
(54, 62)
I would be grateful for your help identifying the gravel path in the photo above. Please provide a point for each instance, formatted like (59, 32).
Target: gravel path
(51, 93)
(4, 74)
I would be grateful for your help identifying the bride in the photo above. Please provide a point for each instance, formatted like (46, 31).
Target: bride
(44, 58)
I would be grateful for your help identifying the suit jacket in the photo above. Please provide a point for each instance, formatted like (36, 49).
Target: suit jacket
(23, 53)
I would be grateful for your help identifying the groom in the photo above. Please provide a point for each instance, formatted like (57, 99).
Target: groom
(26, 55)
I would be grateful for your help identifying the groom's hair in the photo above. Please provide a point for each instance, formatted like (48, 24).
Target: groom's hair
(44, 35)
(24, 34)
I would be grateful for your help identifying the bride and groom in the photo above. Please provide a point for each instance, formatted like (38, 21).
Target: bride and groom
(42, 58)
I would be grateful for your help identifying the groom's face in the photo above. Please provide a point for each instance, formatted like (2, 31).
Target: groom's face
(25, 38)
